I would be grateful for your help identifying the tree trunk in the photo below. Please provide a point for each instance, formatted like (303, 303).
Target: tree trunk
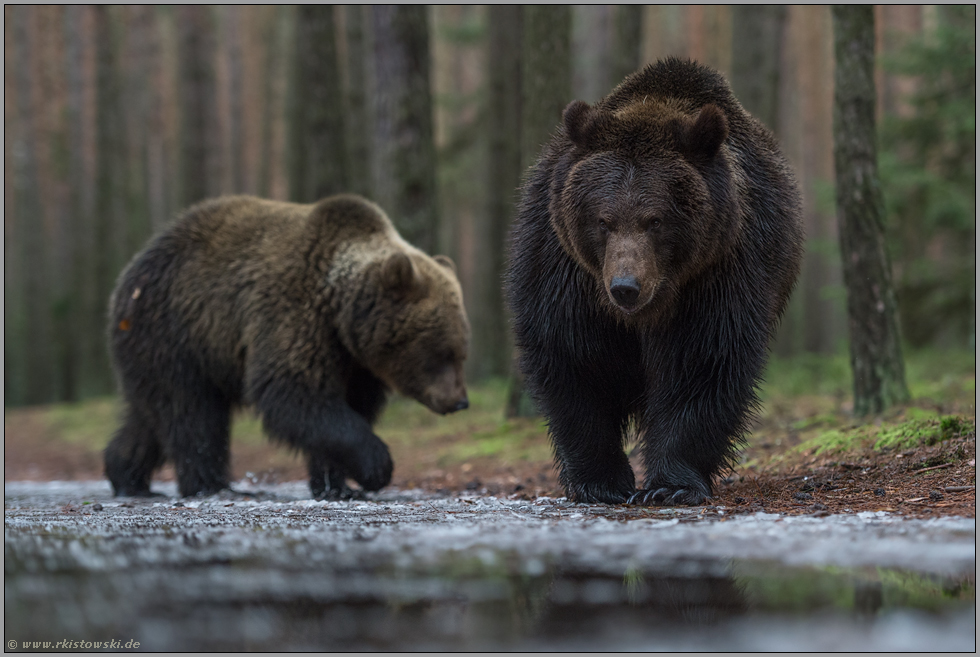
(358, 117)
(318, 146)
(547, 76)
(876, 354)
(758, 35)
(627, 42)
(405, 162)
(34, 329)
(270, 18)
(109, 192)
(79, 202)
(275, 167)
(546, 81)
(199, 129)
(503, 180)
(234, 58)
(591, 50)
(138, 45)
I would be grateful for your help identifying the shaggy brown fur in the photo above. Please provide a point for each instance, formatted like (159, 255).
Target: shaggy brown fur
(310, 313)
(658, 240)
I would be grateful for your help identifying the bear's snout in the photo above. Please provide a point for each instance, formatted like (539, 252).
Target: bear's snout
(629, 269)
(447, 406)
(446, 392)
(625, 290)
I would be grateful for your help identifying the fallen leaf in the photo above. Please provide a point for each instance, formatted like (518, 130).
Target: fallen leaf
(124, 325)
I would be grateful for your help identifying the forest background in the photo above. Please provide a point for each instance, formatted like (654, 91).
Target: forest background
(117, 117)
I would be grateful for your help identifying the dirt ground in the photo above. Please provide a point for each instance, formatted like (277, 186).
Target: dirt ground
(922, 482)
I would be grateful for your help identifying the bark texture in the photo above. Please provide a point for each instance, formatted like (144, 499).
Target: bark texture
(199, 129)
(319, 147)
(504, 177)
(627, 42)
(546, 81)
(405, 158)
(757, 32)
(876, 353)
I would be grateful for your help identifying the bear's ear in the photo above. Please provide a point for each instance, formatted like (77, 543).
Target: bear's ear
(446, 262)
(398, 273)
(702, 138)
(585, 125)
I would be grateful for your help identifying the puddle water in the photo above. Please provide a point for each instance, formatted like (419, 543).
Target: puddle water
(493, 600)
(411, 572)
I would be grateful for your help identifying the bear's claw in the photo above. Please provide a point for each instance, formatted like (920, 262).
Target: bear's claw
(665, 496)
(343, 493)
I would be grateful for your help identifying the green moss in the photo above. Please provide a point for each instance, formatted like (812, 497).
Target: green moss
(921, 427)
(952, 426)
(908, 435)
(833, 442)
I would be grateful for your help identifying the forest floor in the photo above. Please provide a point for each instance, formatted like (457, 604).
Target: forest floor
(806, 454)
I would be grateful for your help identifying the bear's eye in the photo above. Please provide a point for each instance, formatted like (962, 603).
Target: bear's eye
(603, 227)
(654, 224)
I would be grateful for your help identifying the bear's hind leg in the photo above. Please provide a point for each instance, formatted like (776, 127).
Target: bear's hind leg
(199, 439)
(134, 453)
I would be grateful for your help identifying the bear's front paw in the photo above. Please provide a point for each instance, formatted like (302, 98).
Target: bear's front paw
(599, 492)
(667, 496)
(334, 494)
(373, 469)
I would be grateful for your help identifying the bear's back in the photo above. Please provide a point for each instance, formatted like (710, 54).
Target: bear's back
(229, 260)
(232, 230)
(673, 79)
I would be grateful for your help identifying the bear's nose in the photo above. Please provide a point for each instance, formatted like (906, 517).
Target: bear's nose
(461, 405)
(625, 290)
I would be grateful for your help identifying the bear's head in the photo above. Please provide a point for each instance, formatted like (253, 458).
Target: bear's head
(642, 198)
(420, 334)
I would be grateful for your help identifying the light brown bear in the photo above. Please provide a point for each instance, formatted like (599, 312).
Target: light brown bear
(309, 313)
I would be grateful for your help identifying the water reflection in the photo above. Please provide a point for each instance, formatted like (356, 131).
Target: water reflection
(464, 602)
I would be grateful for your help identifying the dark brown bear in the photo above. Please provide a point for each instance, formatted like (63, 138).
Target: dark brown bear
(309, 313)
(658, 240)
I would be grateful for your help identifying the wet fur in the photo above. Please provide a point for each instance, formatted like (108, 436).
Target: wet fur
(279, 306)
(684, 367)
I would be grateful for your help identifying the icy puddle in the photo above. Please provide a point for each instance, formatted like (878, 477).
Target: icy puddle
(406, 572)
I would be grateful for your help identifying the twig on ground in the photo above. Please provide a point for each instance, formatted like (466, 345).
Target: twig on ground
(935, 467)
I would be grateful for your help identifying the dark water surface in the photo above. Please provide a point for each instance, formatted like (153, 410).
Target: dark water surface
(276, 572)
